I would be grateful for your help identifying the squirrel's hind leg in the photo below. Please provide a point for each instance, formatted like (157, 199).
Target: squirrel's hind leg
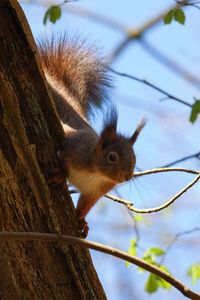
(84, 228)
(57, 177)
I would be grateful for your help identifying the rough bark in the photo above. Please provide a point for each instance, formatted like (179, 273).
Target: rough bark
(30, 134)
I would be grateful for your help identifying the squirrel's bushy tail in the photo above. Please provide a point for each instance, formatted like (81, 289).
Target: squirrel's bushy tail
(70, 62)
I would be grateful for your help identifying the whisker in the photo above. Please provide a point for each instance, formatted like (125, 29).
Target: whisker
(138, 188)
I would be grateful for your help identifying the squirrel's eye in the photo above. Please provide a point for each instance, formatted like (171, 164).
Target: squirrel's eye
(113, 157)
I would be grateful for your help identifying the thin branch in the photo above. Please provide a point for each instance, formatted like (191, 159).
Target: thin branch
(129, 205)
(124, 43)
(136, 34)
(175, 239)
(195, 155)
(73, 192)
(86, 13)
(159, 56)
(94, 16)
(67, 1)
(165, 169)
(133, 34)
(55, 238)
(170, 96)
(193, 4)
(187, 232)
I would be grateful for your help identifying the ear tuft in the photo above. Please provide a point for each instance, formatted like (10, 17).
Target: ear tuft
(135, 135)
(108, 133)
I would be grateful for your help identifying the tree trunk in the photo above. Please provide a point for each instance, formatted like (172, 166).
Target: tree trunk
(30, 134)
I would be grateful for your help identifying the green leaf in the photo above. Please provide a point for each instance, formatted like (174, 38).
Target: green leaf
(53, 14)
(153, 252)
(168, 17)
(132, 251)
(194, 272)
(195, 111)
(151, 285)
(163, 284)
(154, 282)
(156, 251)
(149, 258)
(46, 17)
(179, 16)
(139, 218)
(164, 268)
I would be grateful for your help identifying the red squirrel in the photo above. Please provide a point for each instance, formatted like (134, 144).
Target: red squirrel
(78, 79)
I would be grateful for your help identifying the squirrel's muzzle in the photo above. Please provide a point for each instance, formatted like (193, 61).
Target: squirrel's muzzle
(128, 176)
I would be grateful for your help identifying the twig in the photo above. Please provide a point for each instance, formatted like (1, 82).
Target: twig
(170, 96)
(175, 239)
(67, 1)
(158, 208)
(136, 34)
(94, 16)
(159, 56)
(55, 238)
(165, 169)
(193, 4)
(195, 155)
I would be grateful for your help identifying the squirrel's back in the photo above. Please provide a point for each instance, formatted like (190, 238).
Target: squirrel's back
(77, 77)
(94, 164)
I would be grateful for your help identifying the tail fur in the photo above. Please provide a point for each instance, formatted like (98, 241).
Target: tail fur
(77, 67)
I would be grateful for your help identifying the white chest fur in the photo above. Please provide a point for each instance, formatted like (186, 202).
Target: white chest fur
(86, 182)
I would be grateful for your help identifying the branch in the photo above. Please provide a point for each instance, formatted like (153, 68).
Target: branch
(55, 238)
(170, 96)
(165, 169)
(175, 239)
(136, 34)
(132, 34)
(195, 155)
(129, 204)
(85, 13)
(193, 3)
(159, 56)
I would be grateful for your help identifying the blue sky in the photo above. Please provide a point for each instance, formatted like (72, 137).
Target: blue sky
(167, 136)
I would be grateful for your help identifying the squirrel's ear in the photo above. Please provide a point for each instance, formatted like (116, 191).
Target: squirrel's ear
(108, 133)
(134, 137)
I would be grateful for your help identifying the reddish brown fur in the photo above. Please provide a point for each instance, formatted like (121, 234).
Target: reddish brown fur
(77, 80)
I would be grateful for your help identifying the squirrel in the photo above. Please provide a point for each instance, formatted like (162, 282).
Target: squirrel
(78, 80)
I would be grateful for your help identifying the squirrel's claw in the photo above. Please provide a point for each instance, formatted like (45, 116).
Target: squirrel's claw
(84, 228)
(56, 177)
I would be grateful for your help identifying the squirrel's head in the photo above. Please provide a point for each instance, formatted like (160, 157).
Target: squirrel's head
(115, 157)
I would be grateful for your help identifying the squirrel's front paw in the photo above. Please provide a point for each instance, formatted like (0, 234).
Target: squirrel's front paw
(56, 177)
(84, 228)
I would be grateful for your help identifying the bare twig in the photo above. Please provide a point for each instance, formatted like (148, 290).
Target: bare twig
(175, 239)
(159, 56)
(165, 169)
(67, 1)
(94, 16)
(170, 96)
(55, 238)
(136, 34)
(195, 155)
(158, 208)
(192, 3)
(178, 235)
